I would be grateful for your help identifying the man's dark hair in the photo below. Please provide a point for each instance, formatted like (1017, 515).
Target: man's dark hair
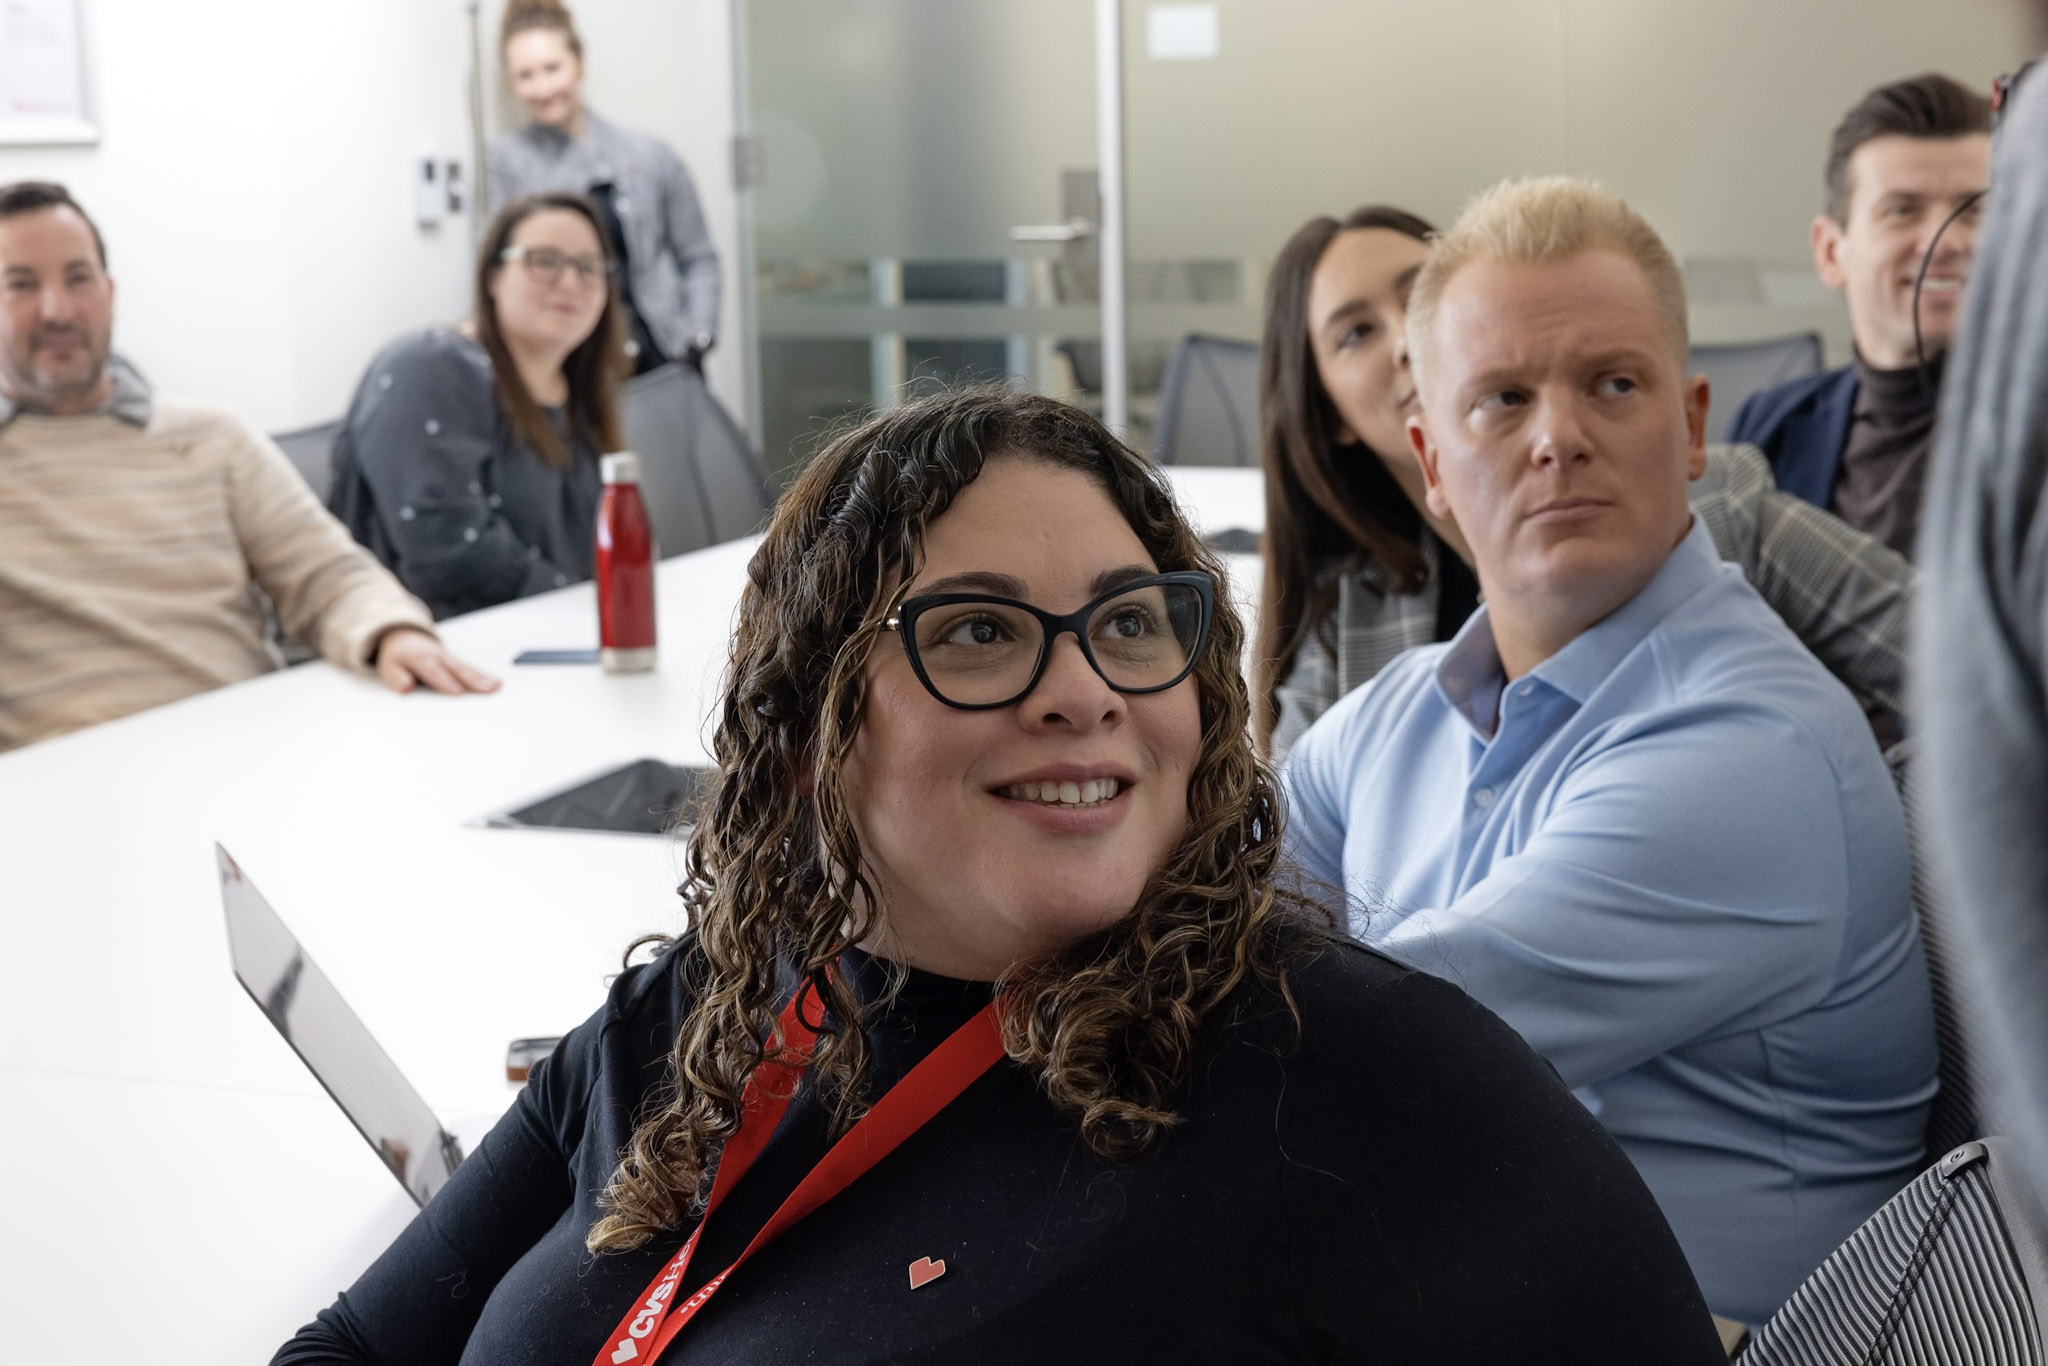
(1930, 106)
(28, 196)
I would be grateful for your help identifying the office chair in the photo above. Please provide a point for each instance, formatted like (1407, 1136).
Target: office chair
(311, 451)
(1949, 1272)
(1736, 371)
(1209, 403)
(698, 474)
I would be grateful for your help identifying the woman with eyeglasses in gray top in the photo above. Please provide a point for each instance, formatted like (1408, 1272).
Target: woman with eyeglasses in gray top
(468, 459)
(669, 276)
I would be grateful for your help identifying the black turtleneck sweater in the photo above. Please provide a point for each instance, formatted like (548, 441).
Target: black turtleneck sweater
(1884, 459)
(1407, 1182)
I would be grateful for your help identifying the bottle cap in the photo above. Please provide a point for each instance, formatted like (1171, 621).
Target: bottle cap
(621, 468)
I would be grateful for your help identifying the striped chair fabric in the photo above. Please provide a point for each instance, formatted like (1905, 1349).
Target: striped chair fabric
(1945, 1274)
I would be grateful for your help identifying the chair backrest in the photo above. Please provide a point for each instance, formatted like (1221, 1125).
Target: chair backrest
(1209, 403)
(1736, 371)
(311, 451)
(698, 473)
(1956, 1116)
(1950, 1272)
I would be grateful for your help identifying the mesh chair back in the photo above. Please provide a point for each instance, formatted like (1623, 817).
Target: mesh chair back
(698, 474)
(1737, 371)
(311, 451)
(1209, 403)
(1955, 1118)
(1948, 1273)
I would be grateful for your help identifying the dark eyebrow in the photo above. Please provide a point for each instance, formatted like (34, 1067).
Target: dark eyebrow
(1344, 313)
(1109, 580)
(1004, 586)
(1404, 283)
(974, 581)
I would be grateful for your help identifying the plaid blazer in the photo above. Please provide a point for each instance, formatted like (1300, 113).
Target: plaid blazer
(1843, 593)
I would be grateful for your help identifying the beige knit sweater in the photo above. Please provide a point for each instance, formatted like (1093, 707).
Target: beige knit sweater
(130, 559)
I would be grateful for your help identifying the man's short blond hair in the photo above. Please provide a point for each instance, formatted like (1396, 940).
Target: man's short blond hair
(1548, 219)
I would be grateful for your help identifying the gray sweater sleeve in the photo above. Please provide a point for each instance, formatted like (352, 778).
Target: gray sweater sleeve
(691, 242)
(423, 428)
(1981, 653)
(505, 181)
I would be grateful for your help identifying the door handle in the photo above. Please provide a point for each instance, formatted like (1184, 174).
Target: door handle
(1075, 229)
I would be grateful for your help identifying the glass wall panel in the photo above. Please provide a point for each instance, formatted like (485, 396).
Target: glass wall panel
(1711, 118)
(901, 141)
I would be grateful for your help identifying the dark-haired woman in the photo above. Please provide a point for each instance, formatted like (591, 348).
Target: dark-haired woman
(468, 459)
(1357, 569)
(669, 284)
(990, 826)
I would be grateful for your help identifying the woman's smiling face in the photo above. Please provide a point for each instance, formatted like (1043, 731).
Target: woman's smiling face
(973, 875)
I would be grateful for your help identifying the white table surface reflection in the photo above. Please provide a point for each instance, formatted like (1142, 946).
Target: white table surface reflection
(154, 1119)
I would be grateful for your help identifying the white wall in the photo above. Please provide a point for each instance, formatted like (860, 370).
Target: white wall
(253, 175)
(252, 184)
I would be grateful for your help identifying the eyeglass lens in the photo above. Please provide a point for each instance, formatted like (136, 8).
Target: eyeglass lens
(983, 652)
(549, 264)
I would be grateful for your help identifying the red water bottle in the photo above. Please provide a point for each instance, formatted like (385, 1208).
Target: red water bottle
(625, 569)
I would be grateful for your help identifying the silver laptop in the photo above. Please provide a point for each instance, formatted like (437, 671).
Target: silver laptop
(332, 1041)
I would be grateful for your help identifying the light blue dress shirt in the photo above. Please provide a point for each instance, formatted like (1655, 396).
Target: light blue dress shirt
(1679, 868)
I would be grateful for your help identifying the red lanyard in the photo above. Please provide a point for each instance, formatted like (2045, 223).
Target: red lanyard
(652, 1322)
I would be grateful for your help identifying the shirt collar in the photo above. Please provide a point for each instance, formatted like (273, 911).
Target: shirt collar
(130, 399)
(1470, 675)
(1904, 391)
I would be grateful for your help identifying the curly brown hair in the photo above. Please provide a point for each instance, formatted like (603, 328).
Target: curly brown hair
(1109, 1025)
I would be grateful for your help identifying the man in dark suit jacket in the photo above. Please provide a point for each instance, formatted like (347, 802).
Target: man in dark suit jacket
(1855, 440)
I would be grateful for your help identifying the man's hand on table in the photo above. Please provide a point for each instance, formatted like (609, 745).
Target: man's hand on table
(407, 657)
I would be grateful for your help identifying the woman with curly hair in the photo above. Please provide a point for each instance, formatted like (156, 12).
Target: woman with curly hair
(997, 1036)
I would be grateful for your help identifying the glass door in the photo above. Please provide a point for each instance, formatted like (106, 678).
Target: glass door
(922, 199)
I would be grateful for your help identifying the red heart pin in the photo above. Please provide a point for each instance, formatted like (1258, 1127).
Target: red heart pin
(924, 1270)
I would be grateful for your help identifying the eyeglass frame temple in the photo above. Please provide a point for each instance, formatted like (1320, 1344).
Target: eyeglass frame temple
(1052, 627)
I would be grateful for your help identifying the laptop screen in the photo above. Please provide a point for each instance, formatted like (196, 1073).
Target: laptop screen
(329, 1038)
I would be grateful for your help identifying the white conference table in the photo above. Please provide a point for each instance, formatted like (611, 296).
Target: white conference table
(175, 1178)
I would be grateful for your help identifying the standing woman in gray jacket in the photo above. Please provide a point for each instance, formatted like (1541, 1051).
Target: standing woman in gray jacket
(670, 282)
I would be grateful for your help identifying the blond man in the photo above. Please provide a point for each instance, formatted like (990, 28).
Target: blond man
(1624, 807)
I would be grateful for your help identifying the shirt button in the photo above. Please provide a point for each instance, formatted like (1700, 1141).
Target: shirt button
(406, 514)
(383, 381)
(433, 427)
(1483, 798)
(496, 501)
(475, 487)
(469, 534)
(561, 579)
(623, 205)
